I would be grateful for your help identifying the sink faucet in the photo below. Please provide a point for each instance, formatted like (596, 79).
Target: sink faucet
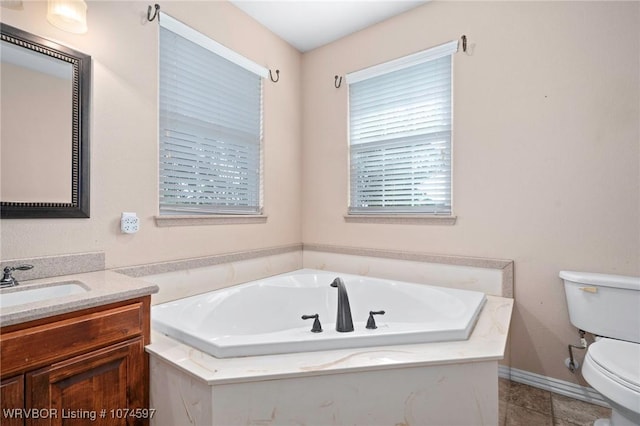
(7, 279)
(344, 322)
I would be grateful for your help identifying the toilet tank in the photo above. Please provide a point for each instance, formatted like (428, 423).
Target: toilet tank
(604, 305)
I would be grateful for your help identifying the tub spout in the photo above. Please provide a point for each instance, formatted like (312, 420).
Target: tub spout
(344, 322)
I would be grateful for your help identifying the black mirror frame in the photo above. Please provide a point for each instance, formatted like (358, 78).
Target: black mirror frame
(79, 205)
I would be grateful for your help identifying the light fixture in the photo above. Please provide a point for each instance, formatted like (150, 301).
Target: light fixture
(68, 15)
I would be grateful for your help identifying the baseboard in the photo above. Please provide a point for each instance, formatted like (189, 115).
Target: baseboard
(561, 387)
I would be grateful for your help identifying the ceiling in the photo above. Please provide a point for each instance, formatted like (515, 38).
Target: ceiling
(307, 24)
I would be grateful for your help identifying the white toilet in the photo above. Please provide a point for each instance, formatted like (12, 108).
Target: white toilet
(608, 306)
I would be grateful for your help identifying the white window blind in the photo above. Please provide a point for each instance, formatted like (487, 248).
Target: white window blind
(210, 125)
(400, 135)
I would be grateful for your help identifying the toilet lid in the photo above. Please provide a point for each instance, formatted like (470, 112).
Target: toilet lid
(620, 358)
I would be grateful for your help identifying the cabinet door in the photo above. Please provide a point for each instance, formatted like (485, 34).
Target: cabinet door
(97, 388)
(12, 401)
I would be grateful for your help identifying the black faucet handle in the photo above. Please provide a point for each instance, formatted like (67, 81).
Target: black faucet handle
(317, 327)
(371, 323)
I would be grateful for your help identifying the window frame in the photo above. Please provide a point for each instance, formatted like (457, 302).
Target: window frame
(394, 214)
(208, 214)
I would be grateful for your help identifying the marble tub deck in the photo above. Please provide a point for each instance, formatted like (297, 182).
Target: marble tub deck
(425, 383)
(487, 342)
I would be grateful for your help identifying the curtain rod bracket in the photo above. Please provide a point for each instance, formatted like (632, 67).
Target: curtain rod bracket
(277, 79)
(337, 82)
(464, 43)
(155, 12)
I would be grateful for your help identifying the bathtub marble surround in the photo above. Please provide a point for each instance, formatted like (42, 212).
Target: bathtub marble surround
(491, 276)
(475, 262)
(421, 381)
(227, 270)
(188, 277)
(192, 376)
(464, 394)
(202, 262)
(103, 287)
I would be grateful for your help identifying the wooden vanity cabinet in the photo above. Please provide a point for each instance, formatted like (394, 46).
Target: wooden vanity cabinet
(11, 397)
(84, 367)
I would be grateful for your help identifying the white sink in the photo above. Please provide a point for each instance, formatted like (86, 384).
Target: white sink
(20, 295)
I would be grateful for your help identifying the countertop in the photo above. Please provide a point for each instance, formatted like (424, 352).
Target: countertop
(103, 287)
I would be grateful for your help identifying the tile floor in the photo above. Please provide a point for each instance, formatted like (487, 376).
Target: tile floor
(528, 406)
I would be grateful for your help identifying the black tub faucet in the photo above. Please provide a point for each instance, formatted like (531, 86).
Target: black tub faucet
(344, 322)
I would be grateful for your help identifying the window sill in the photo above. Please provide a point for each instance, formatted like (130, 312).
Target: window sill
(405, 219)
(196, 220)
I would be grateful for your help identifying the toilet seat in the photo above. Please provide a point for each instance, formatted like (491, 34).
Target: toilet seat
(613, 368)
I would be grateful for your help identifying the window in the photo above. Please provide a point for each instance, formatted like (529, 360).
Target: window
(400, 135)
(210, 125)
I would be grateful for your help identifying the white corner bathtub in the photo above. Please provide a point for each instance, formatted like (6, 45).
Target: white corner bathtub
(264, 317)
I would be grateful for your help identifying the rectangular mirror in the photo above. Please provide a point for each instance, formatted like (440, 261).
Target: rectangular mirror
(44, 136)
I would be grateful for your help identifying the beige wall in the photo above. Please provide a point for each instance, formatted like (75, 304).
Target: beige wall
(124, 137)
(546, 149)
